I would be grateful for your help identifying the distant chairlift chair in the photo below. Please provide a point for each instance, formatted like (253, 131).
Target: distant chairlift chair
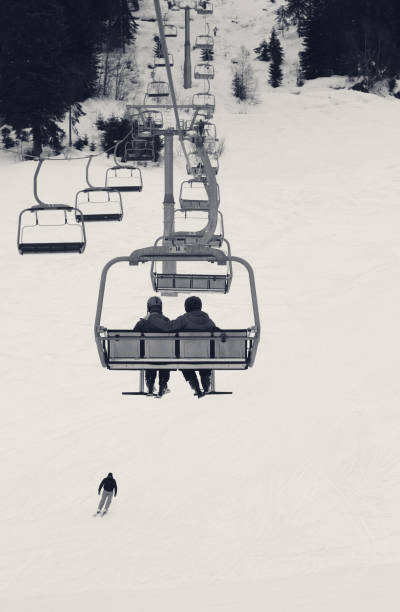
(204, 71)
(50, 228)
(124, 178)
(193, 195)
(170, 30)
(140, 150)
(204, 41)
(159, 62)
(195, 166)
(157, 89)
(204, 101)
(99, 204)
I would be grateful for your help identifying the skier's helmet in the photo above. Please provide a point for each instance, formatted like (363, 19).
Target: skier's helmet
(154, 304)
(193, 303)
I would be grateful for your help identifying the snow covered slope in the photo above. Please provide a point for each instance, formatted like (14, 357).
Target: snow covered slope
(284, 496)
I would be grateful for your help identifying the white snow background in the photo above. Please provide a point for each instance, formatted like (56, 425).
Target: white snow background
(282, 497)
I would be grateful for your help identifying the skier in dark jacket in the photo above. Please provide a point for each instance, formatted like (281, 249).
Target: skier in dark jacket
(154, 322)
(109, 487)
(194, 319)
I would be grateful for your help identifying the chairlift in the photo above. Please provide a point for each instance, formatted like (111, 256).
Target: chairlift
(195, 165)
(210, 131)
(204, 71)
(191, 236)
(159, 62)
(157, 89)
(51, 228)
(230, 349)
(170, 30)
(154, 118)
(139, 149)
(205, 101)
(204, 8)
(193, 195)
(99, 204)
(204, 41)
(124, 178)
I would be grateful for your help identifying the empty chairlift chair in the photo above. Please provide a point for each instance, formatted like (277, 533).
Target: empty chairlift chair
(193, 195)
(195, 165)
(204, 71)
(98, 204)
(170, 30)
(51, 228)
(124, 178)
(153, 118)
(159, 62)
(204, 101)
(204, 41)
(140, 150)
(188, 224)
(157, 89)
(228, 349)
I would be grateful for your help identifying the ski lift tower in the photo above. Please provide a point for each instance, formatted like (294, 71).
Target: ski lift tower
(187, 5)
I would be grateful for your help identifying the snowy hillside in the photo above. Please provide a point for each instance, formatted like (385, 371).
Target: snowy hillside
(284, 496)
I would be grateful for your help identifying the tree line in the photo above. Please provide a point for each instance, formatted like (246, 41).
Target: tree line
(357, 38)
(52, 56)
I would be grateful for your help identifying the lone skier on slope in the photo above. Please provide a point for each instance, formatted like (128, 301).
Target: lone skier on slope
(109, 487)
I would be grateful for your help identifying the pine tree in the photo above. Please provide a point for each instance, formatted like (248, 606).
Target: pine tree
(262, 51)
(238, 86)
(157, 49)
(207, 55)
(276, 52)
(33, 73)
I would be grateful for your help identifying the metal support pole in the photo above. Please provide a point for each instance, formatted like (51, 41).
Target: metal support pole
(169, 267)
(187, 67)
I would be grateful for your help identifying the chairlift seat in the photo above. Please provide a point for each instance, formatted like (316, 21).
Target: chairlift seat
(51, 247)
(219, 350)
(204, 71)
(130, 174)
(98, 208)
(157, 89)
(204, 41)
(139, 149)
(170, 30)
(159, 62)
(154, 117)
(193, 196)
(29, 246)
(204, 101)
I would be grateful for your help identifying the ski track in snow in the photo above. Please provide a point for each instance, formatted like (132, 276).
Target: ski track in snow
(283, 496)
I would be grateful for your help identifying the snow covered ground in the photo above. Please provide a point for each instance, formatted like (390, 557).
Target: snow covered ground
(284, 496)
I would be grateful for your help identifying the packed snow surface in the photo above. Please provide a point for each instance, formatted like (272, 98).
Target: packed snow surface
(284, 496)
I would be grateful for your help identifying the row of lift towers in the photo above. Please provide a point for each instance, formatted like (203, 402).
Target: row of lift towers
(118, 349)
